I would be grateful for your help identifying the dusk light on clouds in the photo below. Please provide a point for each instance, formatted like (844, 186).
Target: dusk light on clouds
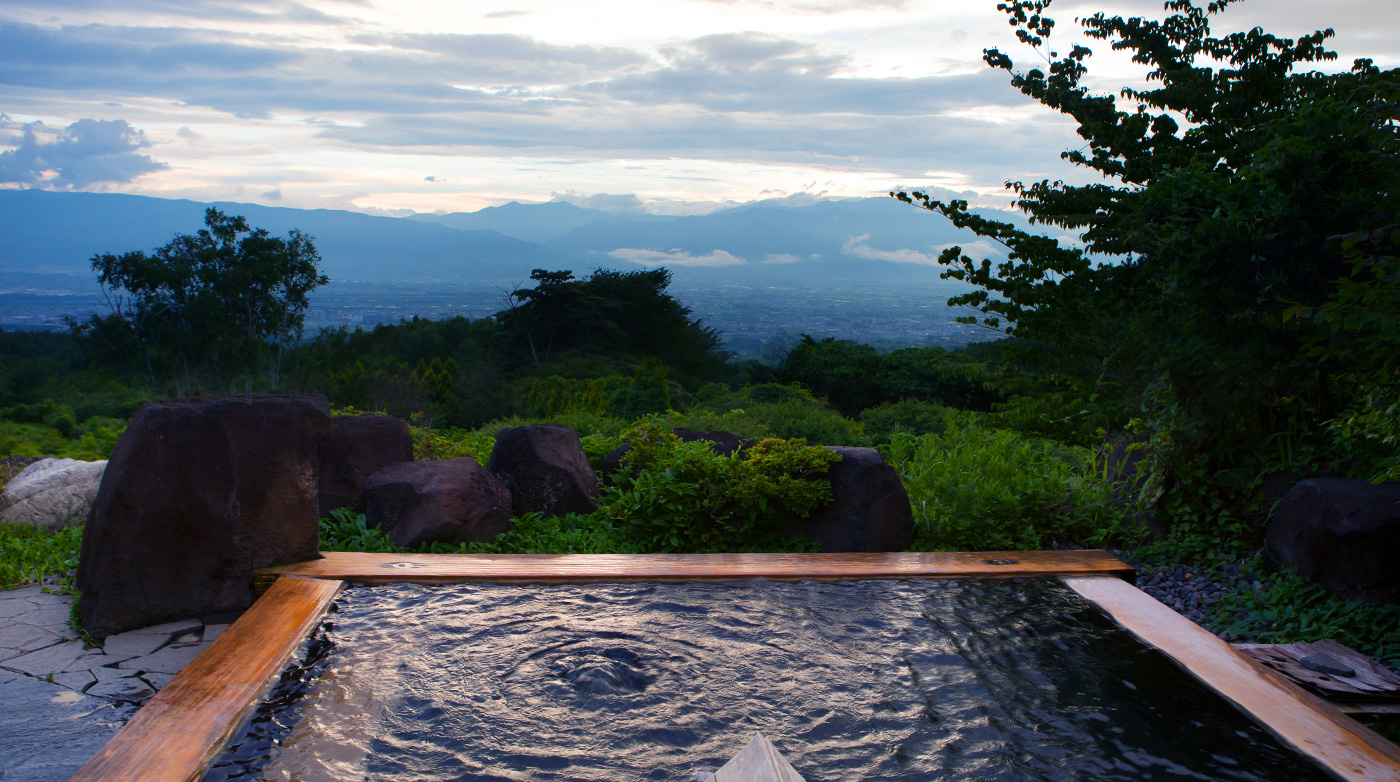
(667, 106)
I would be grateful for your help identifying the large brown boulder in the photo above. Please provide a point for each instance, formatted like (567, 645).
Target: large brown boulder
(1341, 533)
(545, 468)
(869, 510)
(450, 500)
(357, 446)
(198, 494)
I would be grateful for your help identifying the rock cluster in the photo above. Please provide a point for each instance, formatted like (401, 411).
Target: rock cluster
(200, 493)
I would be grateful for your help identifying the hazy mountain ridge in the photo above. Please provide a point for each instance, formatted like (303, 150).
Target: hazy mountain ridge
(60, 232)
(875, 239)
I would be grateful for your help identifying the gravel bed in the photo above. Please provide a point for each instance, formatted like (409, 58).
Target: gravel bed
(1191, 593)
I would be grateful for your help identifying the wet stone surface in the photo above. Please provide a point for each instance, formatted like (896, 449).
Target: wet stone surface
(68, 700)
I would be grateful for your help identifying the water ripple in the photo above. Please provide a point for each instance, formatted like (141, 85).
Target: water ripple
(872, 680)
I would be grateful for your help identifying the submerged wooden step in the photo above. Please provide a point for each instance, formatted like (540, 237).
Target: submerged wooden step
(758, 761)
(449, 568)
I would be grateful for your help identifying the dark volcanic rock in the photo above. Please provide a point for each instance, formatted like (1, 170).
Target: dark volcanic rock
(198, 494)
(869, 510)
(1342, 533)
(358, 446)
(545, 468)
(451, 500)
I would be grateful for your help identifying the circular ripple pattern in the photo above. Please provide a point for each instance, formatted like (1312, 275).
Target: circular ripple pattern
(872, 680)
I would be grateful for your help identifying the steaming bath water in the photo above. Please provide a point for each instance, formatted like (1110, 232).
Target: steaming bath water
(871, 680)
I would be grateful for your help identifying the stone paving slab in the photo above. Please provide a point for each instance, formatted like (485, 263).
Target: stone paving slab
(129, 645)
(16, 634)
(168, 660)
(11, 608)
(48, 660)
(75, 680)
(130, 689)
(48, 731)
(55, 618)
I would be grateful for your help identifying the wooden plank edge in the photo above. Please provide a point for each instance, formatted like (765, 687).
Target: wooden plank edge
(179, 731)
(537, 568)
(1343, 747)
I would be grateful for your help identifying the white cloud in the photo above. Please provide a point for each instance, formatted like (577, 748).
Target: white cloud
(676, 258)
(781, 258)
(855, 246)
(87, 152)
(623, 203)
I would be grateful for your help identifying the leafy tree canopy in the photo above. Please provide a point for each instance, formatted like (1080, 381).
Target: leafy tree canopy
(1222, 181)
(612, 313)
(222, 300)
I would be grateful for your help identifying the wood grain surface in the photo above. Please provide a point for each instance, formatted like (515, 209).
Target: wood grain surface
(174, 736)
(448, 568)
(1305, 722)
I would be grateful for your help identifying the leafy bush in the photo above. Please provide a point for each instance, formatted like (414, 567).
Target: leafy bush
(801, 420)
(93, 439)
(907, 417)
(433, 444)
(975, 488)
(676, 496)
(28, 554)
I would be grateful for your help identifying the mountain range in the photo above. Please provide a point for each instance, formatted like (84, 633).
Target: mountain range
(865, 240)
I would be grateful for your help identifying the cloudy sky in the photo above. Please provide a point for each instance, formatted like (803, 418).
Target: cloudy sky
(664, 105)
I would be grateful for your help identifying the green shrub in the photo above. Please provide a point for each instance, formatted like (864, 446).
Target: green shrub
(28, 554)
(432, 444)
(979, 489)
(908, 417)
(801, 420)
(676, 496)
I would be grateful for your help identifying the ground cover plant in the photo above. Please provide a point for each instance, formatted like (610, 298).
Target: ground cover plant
(29, 555)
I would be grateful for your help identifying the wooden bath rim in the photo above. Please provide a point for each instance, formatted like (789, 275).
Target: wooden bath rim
(178, 732)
